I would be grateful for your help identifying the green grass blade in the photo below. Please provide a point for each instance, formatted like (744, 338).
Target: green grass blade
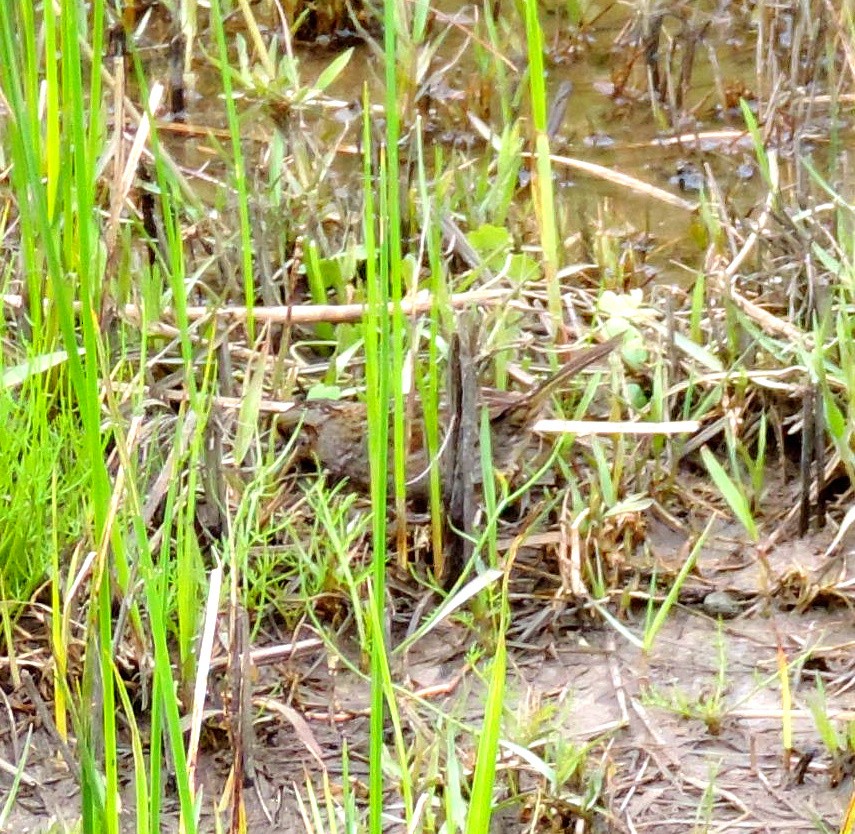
(732, 493)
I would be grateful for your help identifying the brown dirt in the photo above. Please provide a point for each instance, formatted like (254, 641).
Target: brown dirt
(659, 770)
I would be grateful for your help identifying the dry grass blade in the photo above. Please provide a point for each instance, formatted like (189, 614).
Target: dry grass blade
(203, 669)
(300, 725)
(600, 171)
(127, 175)
(634, 184)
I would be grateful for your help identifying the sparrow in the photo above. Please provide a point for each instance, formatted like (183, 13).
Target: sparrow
(334, 433)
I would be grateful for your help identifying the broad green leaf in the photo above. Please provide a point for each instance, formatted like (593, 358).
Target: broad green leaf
(333, 71)
(14, 376)
(321, 391)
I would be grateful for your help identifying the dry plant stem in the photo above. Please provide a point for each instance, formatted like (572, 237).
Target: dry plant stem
(241, 725)
(332, 313)
(130, 167)
(273, 654)
(13, 734)
(300, 314)
(136, 116)
(47, 721)
(11, 770)
(625, 180)
(117, 196)
(700, 138)
(584, 428)
(238, 704)
(806, 458)
(771, 324)
(617, 680)
(459, 461)
(203, 669)
(827, 473)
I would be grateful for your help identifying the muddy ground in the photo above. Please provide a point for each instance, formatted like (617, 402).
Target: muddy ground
(689, 738)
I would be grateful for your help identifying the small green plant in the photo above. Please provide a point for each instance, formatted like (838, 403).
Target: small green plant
(704, 813)
(708, 706)
(656, 617)
(839, 743)
(732, 491)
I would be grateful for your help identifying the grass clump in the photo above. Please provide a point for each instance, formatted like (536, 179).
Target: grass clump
(43, 483)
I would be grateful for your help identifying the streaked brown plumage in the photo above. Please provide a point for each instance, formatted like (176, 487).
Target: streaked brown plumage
(335, 432)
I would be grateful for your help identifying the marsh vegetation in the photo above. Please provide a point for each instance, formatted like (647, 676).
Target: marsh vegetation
(284, 544)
